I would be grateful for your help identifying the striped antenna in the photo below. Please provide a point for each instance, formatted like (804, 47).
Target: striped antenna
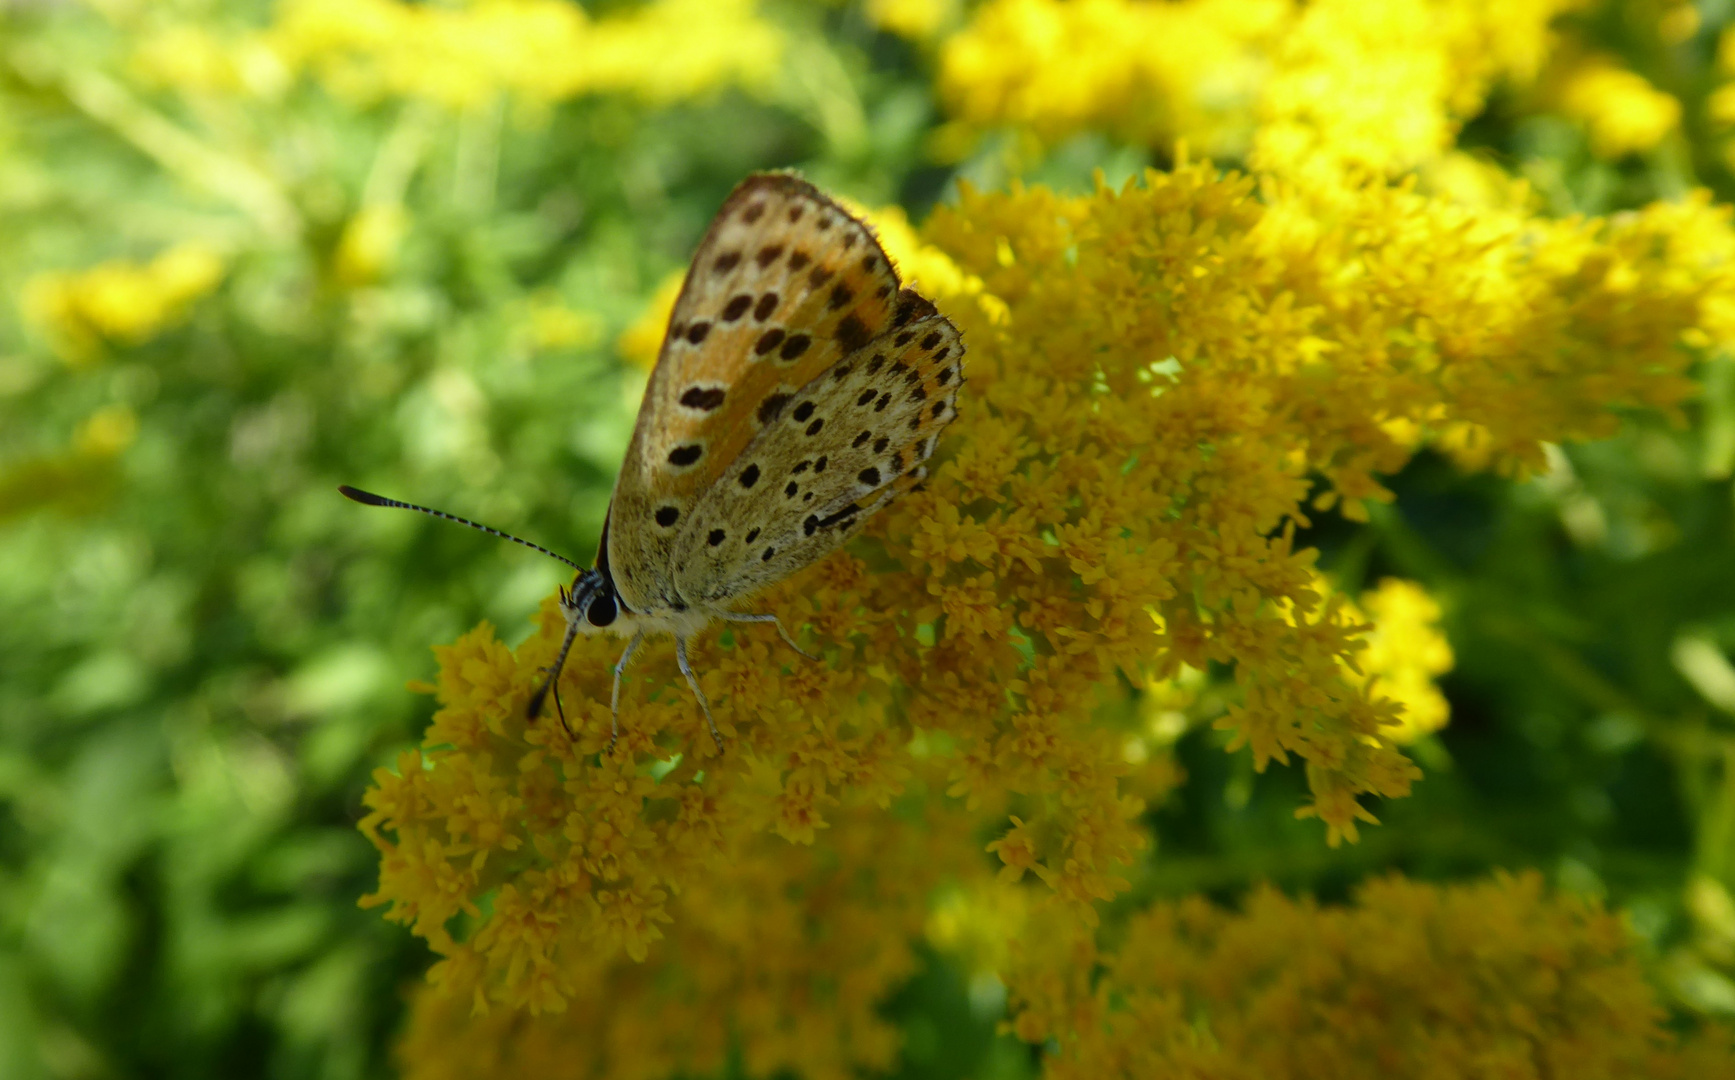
(368, 498)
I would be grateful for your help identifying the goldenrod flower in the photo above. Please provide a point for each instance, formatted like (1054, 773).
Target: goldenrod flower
(1156, 373)
(1488, 979)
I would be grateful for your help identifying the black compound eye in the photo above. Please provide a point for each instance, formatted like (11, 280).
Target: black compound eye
(602, 610)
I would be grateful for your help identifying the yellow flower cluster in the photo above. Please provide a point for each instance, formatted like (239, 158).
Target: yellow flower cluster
(1405, 653)
(1163, 381)
(1488, 979)
(544, 50)
(779, 953)
(119, 301)
(1300, 87)
(1054, 68)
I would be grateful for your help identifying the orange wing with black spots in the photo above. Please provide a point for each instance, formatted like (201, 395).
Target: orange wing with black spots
(849, 442)
(784, 285)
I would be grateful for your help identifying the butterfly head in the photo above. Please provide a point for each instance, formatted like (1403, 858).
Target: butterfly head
(592, 605)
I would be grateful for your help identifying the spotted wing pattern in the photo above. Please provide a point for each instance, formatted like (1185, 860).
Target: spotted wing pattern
(784, 284)
(848, 442)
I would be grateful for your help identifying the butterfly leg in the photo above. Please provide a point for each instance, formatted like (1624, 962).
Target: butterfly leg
(553, 675)
(614, 701)
(731, 616)
(692, 681)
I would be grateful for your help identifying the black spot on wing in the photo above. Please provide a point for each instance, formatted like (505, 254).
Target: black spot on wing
(772, 407)
(852, 333)
(703, 398)
(842, 515)
(769, 340)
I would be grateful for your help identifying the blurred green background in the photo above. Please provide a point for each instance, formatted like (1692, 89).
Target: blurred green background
(242, 267)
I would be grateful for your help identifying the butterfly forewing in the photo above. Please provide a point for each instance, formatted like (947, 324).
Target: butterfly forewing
(847, 442)
(784, 284)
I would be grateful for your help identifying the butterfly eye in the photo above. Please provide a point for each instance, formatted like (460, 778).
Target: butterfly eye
(602, 610)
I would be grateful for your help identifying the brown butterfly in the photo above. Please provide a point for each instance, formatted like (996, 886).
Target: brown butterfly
(799, 389)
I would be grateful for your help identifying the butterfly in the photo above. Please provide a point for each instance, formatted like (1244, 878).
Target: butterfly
(799, 390)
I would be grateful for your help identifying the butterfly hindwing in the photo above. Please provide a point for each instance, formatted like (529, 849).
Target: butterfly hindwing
(847, 442)
(784, 284)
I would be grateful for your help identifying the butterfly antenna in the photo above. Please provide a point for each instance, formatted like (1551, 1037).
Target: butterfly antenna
(368, 498)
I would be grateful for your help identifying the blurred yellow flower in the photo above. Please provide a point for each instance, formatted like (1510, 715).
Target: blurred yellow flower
(120, 301)
(465, 54)
(1623, 113)
(107, 431)
(1055, 68)
(82, 478)
(917, 20)
(640, 342)
(193, 59)
(1305, 89)
(368, 248)
(1405, 653)
(1383, 87)
(550, 324)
